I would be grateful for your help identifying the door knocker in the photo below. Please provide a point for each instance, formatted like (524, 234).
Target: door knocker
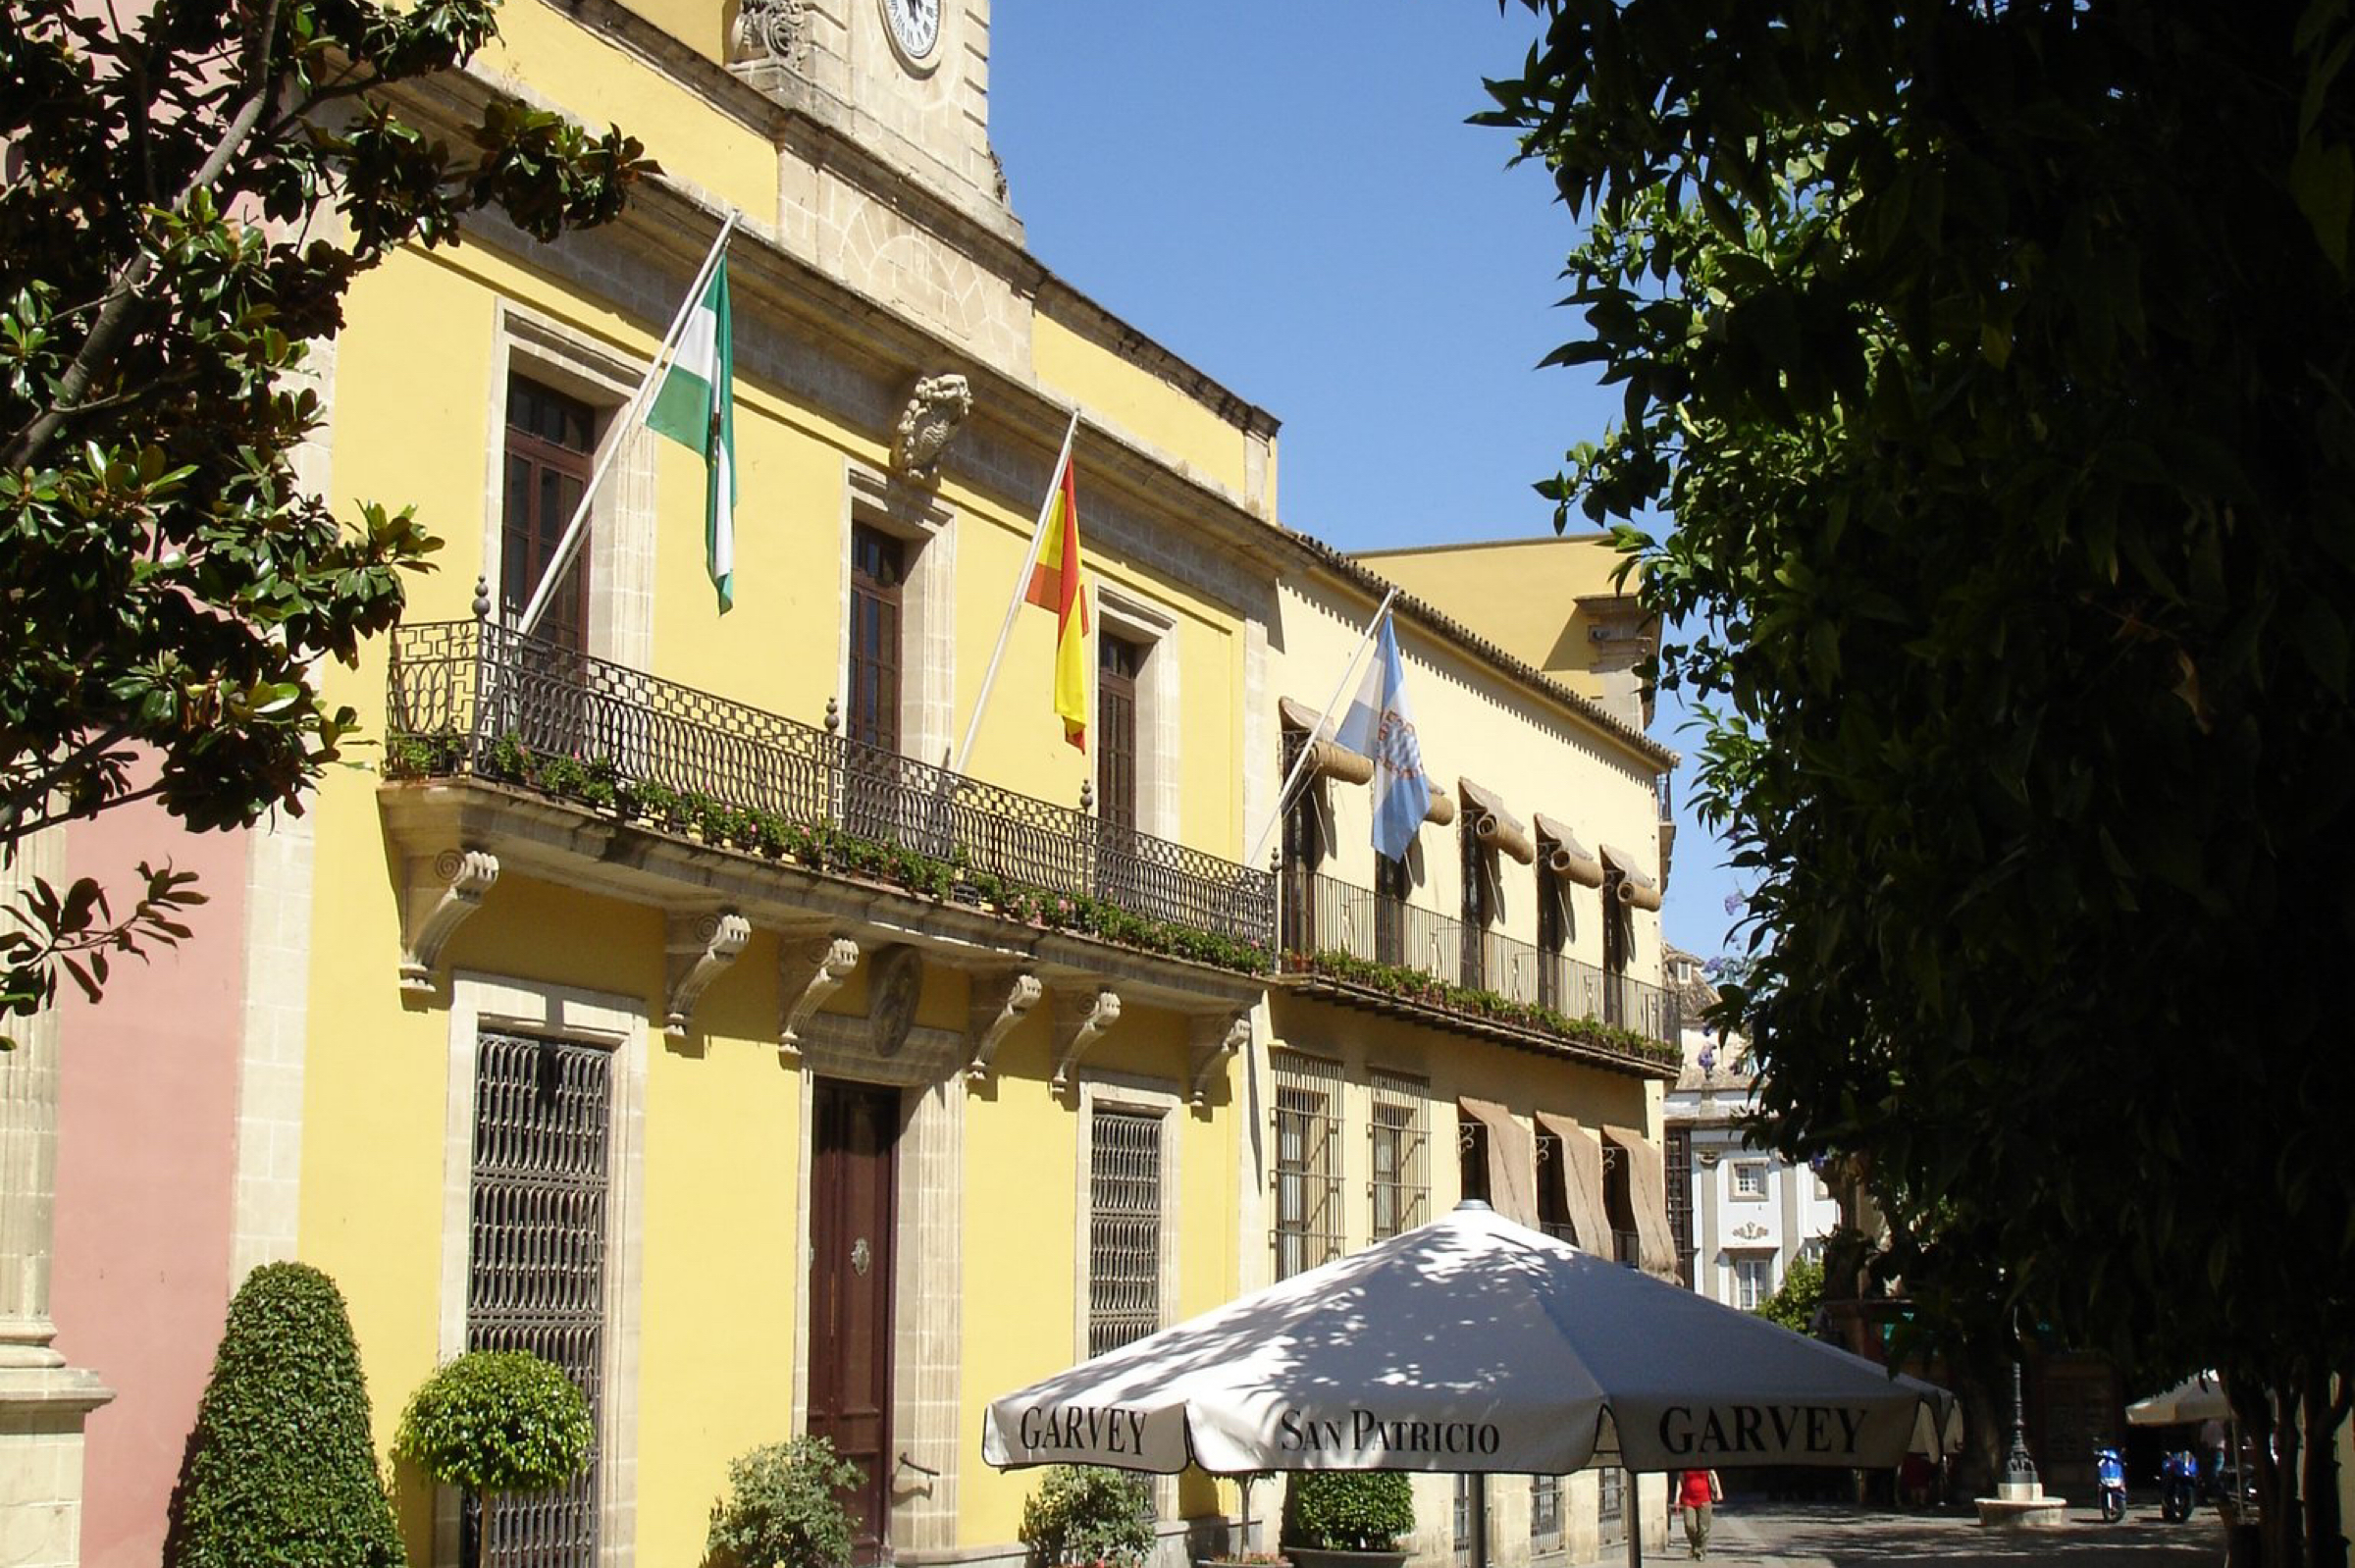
(860, 1257)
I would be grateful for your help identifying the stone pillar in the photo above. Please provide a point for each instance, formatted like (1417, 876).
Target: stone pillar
(43, 1402)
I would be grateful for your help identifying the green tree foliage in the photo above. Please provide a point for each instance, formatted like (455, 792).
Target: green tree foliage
(495, 1421)
(1348, 1510)
(1088, 1514)
(1993, 363)
(193, 187)
(784, 1508)
(283, 1473)
(1795, 1300)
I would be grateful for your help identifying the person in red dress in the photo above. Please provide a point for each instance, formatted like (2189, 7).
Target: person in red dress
(1697, 1497)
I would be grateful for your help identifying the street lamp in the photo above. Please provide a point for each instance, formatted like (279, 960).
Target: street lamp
(2019, 1470)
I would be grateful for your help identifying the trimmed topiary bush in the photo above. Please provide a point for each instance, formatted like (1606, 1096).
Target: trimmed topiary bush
(497, 1420)
(283, 1473)
(784, 1508)
(1088, 1514)
(1348, 1510)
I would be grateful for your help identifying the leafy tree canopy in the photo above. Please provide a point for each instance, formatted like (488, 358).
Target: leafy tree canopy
(191, 187)
(498, 1421)
(1795, 1299)
(1992, 359)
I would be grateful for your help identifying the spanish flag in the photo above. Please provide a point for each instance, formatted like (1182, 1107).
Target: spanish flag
(1055, 585)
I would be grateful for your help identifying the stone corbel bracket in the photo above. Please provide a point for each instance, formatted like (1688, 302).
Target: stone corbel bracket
(440, 894)
(1000, 1002)
(812, 970)
(701, 947)
(1216, 1036)
(1082, 1019)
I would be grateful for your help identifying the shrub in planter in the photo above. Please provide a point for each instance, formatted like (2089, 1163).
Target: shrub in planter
(282, 1475)
(1348, 1510)
(784, 1508)
(498, 1421)
(1088, 1514)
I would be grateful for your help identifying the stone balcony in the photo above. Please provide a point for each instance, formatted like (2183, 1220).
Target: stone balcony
(506, 753)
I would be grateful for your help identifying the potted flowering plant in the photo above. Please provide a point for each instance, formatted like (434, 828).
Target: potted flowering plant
(1240, 1553)
(1349, 1518)
(1088, 1516)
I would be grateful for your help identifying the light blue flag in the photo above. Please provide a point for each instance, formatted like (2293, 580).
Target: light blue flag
(1380, 725)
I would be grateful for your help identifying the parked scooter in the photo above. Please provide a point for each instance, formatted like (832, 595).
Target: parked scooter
(2110, 1482)
(2179, 1486)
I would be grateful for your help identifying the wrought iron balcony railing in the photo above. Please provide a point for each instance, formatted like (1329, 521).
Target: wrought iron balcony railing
(1322, 914)
(470, 697)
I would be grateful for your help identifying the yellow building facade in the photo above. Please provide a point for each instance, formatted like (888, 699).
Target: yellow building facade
(677, 994)
(1483, 1017)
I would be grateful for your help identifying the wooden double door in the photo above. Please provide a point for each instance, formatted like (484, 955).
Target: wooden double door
(853, 1157)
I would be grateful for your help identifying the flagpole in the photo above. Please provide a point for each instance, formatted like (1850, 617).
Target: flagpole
(569, 544)
(1292, 778)
(1021, 589)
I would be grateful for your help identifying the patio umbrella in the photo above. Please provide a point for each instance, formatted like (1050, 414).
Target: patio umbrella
(1469, 1344)
(2199, 1397)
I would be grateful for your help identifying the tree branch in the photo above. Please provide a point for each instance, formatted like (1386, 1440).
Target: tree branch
(18, 829)
(41, 785)
(115, 316)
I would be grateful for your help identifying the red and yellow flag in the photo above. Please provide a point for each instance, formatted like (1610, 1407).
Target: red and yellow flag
(1055, 585)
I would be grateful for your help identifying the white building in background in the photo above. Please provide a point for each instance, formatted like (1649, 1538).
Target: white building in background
(1752, 1213)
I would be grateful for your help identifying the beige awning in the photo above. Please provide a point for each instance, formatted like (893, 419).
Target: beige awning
(1494, 825)
(1328, 758)
(1581, 1182)
(1512, 1162)
(1441, 811)
(1636, 885)
(1647, 1194)
(1568, 859)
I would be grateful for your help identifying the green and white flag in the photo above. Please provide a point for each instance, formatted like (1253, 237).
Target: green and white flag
(696, 406)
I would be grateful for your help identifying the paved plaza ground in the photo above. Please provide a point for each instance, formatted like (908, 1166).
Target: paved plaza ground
(1824, 1536)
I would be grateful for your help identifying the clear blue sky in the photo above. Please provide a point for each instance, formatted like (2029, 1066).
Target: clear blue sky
(1284, 193)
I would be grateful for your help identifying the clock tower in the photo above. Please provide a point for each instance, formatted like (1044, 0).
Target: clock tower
(902, 81)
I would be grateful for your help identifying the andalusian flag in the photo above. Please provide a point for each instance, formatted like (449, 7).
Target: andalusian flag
(1055, 585)
(696, 407)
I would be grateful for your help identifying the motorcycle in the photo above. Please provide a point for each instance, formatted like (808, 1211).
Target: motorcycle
(2178, 1487)
(2109, 1483)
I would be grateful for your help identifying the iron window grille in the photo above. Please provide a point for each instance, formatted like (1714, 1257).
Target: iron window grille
(1610, 1505)
(1123, 1242)
(1545, 1513)
(1399, 1135)
(536, 1276)
(1465, 1522)
(1677, 1160)
(1308, 1175)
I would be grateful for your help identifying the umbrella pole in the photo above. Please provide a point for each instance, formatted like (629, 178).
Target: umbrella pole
(1634, 1519)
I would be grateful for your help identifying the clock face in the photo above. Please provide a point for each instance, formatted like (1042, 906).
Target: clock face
(914, 25)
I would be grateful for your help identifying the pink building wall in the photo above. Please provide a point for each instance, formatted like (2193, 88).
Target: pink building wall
(147, 1145)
